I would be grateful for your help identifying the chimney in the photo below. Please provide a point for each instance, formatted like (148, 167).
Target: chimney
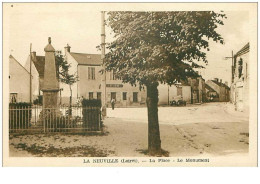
(67, 48)
(33, 56)
(220, 80)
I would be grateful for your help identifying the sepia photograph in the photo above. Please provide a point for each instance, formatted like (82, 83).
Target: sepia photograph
(130, 84)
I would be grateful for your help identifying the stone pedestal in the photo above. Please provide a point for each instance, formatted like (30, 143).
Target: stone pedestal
(50, 98)
(50, 88)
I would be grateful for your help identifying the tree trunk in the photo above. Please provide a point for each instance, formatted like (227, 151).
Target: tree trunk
(154, 141)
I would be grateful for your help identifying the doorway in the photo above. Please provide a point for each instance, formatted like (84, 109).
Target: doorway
(113, 95)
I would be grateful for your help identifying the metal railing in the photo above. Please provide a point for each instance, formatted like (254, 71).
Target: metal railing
(61, 119)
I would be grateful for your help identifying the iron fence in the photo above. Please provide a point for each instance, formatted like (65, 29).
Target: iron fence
(61, 119)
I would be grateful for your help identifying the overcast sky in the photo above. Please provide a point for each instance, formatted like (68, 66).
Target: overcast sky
(81, 30)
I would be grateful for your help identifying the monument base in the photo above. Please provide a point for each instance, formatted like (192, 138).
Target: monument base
(50, 112)
(50, 98)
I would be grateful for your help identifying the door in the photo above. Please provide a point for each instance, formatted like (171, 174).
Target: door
(90, 95)
(99, 95)
(113, 95)
(135, 97)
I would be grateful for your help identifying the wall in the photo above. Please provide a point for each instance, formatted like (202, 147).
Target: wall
(186, 93)
(35, 77)
(240, 86)
(165, 90)
(19, 81)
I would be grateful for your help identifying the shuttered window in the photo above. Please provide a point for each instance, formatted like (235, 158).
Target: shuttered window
(91, 73)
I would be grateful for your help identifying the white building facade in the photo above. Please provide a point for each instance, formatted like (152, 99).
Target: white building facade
(240, 84)
(19, 82)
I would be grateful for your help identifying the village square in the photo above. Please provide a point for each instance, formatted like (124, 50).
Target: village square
(131, 99)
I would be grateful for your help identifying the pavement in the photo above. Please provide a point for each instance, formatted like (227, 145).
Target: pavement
(206, 129)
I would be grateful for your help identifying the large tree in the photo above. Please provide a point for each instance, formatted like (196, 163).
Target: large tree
(159, 47)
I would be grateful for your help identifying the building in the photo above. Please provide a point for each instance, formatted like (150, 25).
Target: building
(211, 94)
(222, 90)
(19, 82)
(175, 92)
(240, 79)
(88, 67)
(198, 92)
(191, 91)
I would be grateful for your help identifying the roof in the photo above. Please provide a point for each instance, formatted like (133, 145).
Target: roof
(209, 88)
(40, 64)
(87, 59)
(225, 86)
(12, 57)
(242, 51)
(220, 84)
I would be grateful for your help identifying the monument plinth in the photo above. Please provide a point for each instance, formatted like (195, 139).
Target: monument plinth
(50, 82)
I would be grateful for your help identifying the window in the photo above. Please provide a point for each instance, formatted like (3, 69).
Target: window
(13, 97)
(240, 67)
(135, 96)
(112, 75)
(91, 73)
(90, 95)
(99, 95)
(124, 95)
(113, 95)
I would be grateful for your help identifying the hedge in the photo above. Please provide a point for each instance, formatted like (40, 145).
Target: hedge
(91, 111)
(91, 103)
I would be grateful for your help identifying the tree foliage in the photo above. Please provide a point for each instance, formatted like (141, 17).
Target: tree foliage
(160, 46)
(63, 70)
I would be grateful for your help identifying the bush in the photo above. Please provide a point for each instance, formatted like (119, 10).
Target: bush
(20, 115)
(181, 103)
(38, 101)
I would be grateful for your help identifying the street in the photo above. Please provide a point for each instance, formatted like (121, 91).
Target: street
(207, 129)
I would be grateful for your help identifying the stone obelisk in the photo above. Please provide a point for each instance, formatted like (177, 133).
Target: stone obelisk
(50, 82)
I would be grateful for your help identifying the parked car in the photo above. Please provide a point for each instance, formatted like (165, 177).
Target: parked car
(178, 103)
(173, 103)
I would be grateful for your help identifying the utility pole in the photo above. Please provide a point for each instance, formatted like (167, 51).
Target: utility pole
(232, 66)
(103, 78)
(30, 73)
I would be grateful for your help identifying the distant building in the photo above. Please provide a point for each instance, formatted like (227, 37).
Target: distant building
(211, 94)
(191, 91)
(222, 90)
(19, 82)
(198, 92)
(175, 92)
(240, 76)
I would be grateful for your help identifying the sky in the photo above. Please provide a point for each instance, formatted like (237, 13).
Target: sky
(81, 30)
